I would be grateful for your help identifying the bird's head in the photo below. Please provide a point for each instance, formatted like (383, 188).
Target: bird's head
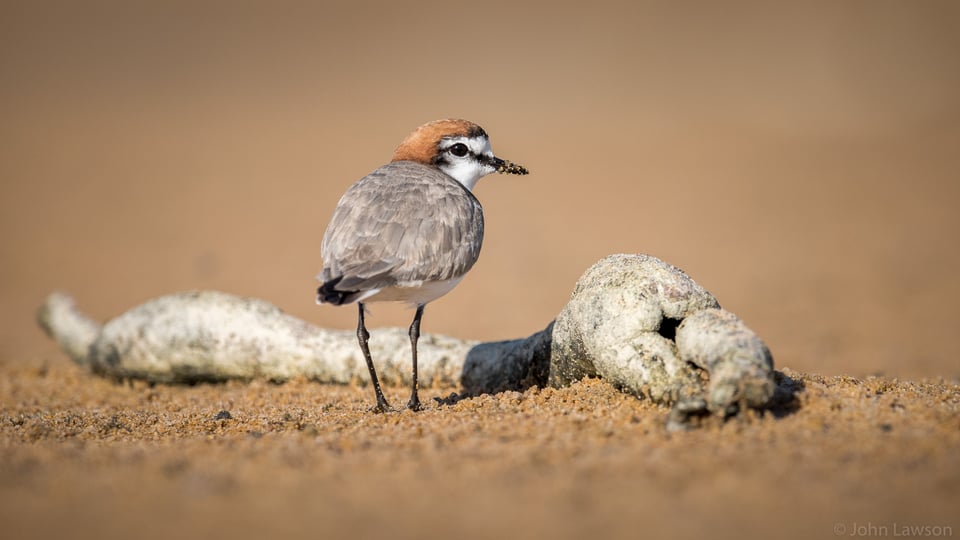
(459, 148)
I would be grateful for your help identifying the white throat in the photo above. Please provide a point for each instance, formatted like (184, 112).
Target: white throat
(467, 173)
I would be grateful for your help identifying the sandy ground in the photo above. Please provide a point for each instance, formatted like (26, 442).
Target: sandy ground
(99, 460)
(799, 161)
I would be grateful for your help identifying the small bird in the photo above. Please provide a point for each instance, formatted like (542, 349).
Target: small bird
(410, 230)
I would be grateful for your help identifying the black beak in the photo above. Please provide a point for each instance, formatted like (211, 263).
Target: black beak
(507, 167)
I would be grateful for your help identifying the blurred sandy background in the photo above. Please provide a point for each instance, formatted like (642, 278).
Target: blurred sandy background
(800, 160)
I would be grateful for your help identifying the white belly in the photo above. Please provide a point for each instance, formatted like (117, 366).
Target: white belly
(414, 294)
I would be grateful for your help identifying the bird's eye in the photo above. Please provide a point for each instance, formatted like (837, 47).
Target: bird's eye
(459, 150)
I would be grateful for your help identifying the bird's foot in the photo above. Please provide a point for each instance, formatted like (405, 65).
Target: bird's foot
(414, 403)
(381, 407)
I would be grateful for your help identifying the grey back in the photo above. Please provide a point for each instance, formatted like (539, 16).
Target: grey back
(404, 222)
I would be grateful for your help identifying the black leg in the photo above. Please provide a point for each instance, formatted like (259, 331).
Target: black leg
(414, 403)
(363, 336)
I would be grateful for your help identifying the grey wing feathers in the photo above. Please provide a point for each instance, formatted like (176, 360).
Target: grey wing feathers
(403, 223)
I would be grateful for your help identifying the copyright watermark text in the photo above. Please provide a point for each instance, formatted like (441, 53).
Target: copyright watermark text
(885, 530)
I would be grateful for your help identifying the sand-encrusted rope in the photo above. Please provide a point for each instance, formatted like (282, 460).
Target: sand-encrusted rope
(634, 320)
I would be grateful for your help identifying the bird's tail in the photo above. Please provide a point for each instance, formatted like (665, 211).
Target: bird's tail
(327, 293)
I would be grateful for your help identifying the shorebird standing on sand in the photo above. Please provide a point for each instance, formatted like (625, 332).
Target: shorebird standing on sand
(410, 230)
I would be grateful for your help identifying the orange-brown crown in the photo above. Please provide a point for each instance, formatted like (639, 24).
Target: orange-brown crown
(421, 144)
